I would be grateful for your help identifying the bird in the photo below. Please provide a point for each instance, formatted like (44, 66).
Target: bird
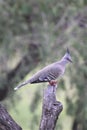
(49, 73)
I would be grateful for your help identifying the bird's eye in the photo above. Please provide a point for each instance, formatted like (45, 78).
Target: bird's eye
(67, 58)
(70, 60)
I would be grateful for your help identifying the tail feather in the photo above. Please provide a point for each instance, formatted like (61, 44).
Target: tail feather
(21, 85)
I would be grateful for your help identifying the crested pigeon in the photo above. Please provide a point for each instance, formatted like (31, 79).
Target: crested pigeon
(49, 73)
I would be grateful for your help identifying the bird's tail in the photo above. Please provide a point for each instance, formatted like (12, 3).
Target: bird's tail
(21, 85)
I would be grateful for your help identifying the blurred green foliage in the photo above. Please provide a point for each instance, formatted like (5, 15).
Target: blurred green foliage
(56, 25)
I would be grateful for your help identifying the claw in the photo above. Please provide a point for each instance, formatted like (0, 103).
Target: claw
(53, 82)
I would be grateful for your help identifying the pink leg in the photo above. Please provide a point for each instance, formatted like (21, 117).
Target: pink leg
(53, 82)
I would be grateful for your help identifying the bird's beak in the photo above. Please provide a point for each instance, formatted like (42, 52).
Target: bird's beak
(70, 60)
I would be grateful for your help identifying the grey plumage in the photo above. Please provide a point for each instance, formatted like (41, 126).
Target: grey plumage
(50, 72)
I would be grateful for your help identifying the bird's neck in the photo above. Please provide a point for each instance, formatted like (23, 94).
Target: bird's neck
(63, 62)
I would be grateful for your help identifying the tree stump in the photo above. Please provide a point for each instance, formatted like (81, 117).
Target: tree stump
(50, 112)
(51, 109)
(6, 121)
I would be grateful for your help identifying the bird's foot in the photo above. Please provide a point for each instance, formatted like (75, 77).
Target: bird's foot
(53, 82)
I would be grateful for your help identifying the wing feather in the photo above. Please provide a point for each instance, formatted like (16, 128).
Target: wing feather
(45, 75)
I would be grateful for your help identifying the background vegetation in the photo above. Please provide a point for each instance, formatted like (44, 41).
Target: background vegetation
(35, 33)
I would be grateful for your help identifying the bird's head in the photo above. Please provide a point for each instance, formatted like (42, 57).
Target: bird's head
(67, 56)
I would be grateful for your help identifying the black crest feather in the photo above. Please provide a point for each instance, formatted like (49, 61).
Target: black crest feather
(68, 51)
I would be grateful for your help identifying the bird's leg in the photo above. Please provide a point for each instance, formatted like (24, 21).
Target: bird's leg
(53, 82)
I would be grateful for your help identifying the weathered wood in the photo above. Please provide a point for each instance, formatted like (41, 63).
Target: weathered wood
(50, 112)
(51, 109)
(6, 121)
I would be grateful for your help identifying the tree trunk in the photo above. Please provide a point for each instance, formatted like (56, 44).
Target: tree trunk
(6, 121)
(51, 109)
(50, 112)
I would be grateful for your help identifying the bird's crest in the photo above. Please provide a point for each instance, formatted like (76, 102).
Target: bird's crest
(67, 56)
(68, 51)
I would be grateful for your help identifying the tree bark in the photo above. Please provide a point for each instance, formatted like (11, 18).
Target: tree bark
(50, 112)
(6, 121)
(51, 109)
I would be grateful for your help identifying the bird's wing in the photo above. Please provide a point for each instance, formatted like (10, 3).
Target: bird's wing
(40, 76)
(47, 74)
(50, 72)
